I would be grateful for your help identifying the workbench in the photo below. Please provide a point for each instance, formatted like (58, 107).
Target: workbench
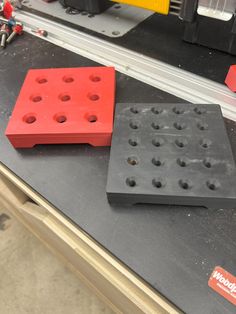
(140, 258)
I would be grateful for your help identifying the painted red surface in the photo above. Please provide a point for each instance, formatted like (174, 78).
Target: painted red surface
(230, 80)
(71, 105)
(223, 283)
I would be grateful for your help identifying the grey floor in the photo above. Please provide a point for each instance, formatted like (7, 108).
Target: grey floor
(33, 280)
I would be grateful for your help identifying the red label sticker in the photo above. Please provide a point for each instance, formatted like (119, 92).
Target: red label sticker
(224, 283)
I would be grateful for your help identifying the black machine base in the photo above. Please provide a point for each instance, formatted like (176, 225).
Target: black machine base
(213, 33)
(171, 154)
(90, 6)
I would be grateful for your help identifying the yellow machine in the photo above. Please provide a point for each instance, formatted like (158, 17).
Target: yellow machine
(160, 6)
(202, 19)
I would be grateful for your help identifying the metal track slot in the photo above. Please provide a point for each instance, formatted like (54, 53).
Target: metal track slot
(175, 7)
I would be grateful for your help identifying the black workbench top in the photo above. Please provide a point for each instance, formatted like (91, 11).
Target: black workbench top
(174, 249)
(160, 37)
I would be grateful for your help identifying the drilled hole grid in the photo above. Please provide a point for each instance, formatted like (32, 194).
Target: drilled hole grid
(81, 99)
(191, 166)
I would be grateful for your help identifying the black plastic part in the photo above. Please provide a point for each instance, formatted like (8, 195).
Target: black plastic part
(90, 6)
(171, 154)
(203, 29)
(188, 10)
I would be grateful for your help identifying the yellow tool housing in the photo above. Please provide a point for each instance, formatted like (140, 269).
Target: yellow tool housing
(160, 6)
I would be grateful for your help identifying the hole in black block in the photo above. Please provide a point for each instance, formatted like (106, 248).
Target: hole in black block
(213, 184)
(178, 110)
(131, 182)
(182, 162)
(133, 142)
(180, 125)
(202, 126)
(156, 126)
(200, 110)
(158, 142)
(132, 160)
(134, 110)
(158, 183)
(205, 143)
(181, 142)
(157, 161)
(134, 125)
(208, 162)
(156, 110)
(185, 184)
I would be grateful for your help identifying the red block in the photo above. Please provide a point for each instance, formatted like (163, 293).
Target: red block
(230, 80)
(62, 106)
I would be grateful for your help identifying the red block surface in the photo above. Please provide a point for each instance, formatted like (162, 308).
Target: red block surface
(230, 80)
(71, 105)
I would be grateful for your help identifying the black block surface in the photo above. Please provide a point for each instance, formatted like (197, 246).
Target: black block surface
(171, 154)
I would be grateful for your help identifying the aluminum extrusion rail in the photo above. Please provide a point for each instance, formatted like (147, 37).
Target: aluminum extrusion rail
(170, 79)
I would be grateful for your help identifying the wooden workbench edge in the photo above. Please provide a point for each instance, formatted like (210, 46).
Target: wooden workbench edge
(117, 285)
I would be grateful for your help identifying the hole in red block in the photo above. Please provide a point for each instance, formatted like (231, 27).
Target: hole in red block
(64, 97)
(29, 118)
(41, 80)
(93, 97)
(68, 79)
(92, 118)
(95, 78)
(36, 98)
(60, 118)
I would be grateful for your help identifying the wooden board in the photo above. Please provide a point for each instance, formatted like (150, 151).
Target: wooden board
(118, 286)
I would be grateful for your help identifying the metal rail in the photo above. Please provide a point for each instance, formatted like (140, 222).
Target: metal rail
(178, 82)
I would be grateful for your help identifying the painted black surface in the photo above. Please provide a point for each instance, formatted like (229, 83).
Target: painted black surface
(173, 248)
(160, 37)
(175, 154)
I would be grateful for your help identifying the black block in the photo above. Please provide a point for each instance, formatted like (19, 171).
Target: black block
(171, 154)
(90, 6)
(202, 30)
